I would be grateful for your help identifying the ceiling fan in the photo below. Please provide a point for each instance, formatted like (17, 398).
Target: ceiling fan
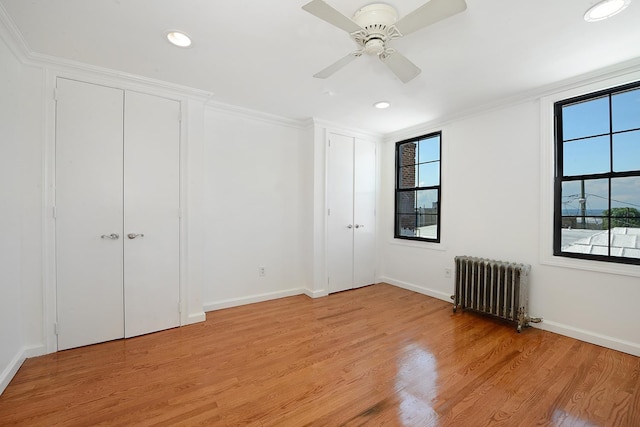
(374, 25)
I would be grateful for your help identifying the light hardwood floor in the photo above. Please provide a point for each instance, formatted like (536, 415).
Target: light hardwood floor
(378, 355)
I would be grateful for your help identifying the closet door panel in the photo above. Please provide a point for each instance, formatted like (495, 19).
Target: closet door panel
(88, 199)
(364, 205)
(152, 203)
(340, 219)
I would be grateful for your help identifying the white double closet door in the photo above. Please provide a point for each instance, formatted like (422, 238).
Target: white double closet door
(351, 197)
(117, 220)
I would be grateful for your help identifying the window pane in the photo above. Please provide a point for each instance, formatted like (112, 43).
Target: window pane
(587, 118)
(427, 213)
(625, 195)
(626, 151)
(406, 202)
(427, 199)
(428, 231)
(429, 174)
(429, 149)
(625, 109)
(592, 242)
(408, 154)
(408, 177)
(590, 202)
(586, 156)
(407, 225)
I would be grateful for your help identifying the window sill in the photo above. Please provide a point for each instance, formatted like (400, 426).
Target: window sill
(418, 244)
(588, 265)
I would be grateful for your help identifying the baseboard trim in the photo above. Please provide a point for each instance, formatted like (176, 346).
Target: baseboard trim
(234, 302)
(10, 371)
(589, 336)
(547, 325)
(415, 288)
(196, 318)
(316, 294)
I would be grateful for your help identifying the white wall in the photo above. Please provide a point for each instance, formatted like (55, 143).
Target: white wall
(256, 187)
(11, 333)
(20, 207)
(491, 202)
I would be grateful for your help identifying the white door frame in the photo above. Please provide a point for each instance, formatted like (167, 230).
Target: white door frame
(49, 302)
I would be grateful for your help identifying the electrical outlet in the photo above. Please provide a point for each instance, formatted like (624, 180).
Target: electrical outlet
(262, 271)
(447, 273)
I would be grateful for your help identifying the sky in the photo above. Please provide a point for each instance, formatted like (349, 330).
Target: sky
(586, 153)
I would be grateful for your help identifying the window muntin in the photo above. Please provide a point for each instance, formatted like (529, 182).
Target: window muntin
(597, 182)
(417, 200)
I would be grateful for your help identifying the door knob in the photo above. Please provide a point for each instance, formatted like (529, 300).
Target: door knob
(359, 225)
(112, 236)
(349, 226)
(134, 235)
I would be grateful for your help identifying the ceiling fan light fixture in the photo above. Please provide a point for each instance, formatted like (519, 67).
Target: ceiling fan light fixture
(381, 105)
(605, 9)
(178, 38)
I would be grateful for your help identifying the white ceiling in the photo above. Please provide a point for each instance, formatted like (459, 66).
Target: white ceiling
(262, 54)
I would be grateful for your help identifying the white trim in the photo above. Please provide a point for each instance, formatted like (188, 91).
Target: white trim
(255, 115)
(415, 288)
(316, 294)
(18, 45)
(520, 98)
(345, 130)
(12, 368)
(50, 303)
(547, 161)
(417, 244)
(234, 302)
(182, 220)
(589, 336)
(12, 36)
(195, 318)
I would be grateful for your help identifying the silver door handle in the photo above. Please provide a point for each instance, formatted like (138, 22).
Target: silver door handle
(349, 226)
(112, 236)
(134, 235)
(359, 225)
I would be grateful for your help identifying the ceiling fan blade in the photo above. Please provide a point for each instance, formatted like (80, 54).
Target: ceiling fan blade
(429, 13)
(404, 69)
(327, 13)
(327, 72)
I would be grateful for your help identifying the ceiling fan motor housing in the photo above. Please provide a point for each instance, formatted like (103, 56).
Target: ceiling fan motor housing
(376, 19)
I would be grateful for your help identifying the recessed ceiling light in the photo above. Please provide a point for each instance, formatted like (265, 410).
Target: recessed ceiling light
(605, 9)
(382, 105)
(178, 38)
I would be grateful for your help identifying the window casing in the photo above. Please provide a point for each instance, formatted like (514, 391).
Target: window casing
(597, 176)
(418, 193)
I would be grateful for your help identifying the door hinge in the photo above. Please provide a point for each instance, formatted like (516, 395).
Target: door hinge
(56, 329)
(179, 308)
(180, 117)
(56, 93)
(328, 212)
(53, 212)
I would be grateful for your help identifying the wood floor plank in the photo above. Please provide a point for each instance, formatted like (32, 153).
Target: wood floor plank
(378, 355)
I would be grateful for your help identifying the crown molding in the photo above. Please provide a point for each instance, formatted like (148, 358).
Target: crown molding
(248, 113)
(341, 128)
(10, 34)
(601, 74)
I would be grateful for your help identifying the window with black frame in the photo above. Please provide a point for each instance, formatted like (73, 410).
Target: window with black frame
(418, 193)
(597, 178)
